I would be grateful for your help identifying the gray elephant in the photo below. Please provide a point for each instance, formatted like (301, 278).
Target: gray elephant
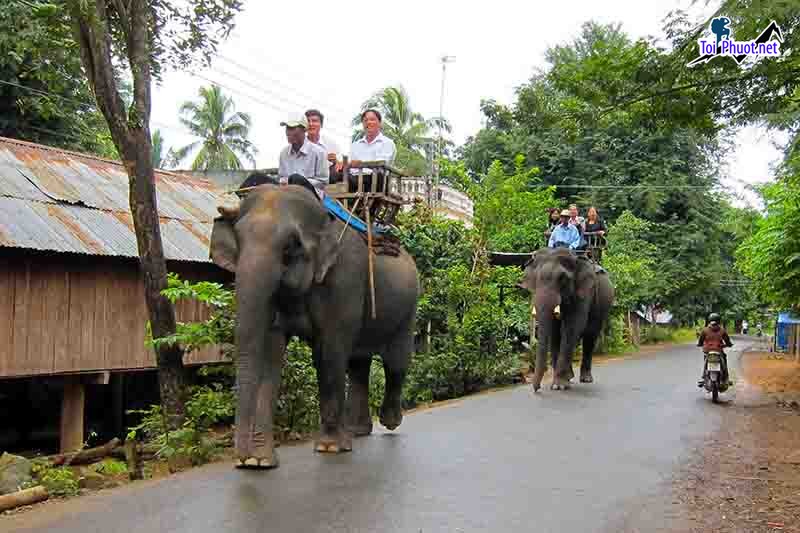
(294, 276)
(583, 293)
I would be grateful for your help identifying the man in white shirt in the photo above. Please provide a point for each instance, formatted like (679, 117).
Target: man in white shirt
(314, 134)
(302, 158)
(373, 145)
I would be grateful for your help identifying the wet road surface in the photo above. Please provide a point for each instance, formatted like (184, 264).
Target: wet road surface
(596, 458)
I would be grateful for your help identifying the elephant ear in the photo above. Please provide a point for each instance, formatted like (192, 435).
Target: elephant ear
(327, 251)
(224, 248)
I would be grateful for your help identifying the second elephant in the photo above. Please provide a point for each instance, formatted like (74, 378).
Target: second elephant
(556, 277)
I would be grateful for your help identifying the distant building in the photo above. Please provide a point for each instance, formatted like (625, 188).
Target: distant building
(447, 201)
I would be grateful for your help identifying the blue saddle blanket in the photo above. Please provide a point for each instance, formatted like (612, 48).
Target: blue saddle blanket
(337, 210)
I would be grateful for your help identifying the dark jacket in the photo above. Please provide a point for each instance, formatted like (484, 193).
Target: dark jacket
(714, 338)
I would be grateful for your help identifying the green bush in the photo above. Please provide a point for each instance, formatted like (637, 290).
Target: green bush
(110, 467)
(57, 481)
(297, 410)
(207, 406)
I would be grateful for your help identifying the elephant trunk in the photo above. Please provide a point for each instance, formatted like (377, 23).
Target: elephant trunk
(545, 301)
(256, 285)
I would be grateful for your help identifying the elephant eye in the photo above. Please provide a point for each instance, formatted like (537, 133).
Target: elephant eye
(293, 250)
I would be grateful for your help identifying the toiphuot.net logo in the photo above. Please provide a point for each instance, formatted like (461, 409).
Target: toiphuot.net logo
(767, 43)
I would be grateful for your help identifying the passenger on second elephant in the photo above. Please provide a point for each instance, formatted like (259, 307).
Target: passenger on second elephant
(553, 219)
(565, 234)
(594, 231)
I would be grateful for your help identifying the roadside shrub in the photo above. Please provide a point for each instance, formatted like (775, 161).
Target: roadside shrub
(57, 481)
(297, 410)
(206, 407)
(110, 467)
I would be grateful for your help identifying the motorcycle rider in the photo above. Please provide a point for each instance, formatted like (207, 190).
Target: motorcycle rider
(714, 338)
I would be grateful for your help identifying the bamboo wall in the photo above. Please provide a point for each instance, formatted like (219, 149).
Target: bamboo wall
(62, 314)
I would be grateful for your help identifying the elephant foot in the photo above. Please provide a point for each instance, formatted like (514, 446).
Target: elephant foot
(559, 384)
(360, 430)
(586, 377)
(327, 443)
(391, 418)
(537, 381)
(261, 459)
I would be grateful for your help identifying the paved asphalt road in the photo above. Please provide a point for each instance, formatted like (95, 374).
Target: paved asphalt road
(596, 458)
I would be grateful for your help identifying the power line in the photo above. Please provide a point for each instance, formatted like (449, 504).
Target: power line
(308, 96)
(263, 91)
(89, 105)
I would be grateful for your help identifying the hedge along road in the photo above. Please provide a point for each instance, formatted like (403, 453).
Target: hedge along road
(595, 458)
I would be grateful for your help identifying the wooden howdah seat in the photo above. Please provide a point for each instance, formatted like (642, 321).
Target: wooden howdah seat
(372, 184)
(370, 190)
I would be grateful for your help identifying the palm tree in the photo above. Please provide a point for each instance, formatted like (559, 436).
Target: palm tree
(407, 128)
(223, 132)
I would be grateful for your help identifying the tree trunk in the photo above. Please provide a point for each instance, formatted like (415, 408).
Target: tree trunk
(130, 130)
(86, 456)
(23, 497)
(172, 376)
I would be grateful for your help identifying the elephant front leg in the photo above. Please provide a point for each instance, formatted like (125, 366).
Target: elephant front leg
(255, 444)
(359, 419)
(333, 437)
(589, 340)
(563, 373)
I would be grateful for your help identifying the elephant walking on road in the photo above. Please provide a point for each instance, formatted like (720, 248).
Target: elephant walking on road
(556, 277)
(294, 276)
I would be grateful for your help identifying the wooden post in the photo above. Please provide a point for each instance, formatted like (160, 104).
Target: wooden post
(72, 405)
(367, 207)
(134, 460)
(118, 404)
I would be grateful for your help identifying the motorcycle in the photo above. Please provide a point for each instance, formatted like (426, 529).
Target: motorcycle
(760, 332)
(712, 379)
(744, 330)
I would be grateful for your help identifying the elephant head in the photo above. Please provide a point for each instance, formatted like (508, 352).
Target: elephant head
(557, 279)
(280, 242)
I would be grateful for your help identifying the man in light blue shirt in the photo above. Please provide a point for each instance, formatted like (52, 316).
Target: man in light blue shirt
(564, 234)
(302, 158)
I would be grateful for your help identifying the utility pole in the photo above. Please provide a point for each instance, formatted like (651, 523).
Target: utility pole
(445, 60)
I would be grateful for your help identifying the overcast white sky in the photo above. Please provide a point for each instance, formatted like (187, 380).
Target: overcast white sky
(286, 57)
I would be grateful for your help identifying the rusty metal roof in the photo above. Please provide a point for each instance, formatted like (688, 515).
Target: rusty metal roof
(61, 201)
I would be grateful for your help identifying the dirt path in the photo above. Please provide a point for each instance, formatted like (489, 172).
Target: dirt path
(746, 478)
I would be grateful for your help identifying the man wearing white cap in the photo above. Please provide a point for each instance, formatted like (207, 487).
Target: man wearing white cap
(564, 234)
(302, 158)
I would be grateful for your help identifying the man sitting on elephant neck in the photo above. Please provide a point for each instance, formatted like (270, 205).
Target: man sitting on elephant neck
(565, 234)
(302, 162)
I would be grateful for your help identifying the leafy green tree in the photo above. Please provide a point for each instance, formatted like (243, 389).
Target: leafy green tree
(143, 38)
(509, 216)
(162, 156)
(43, 95)
(222, 130)
(770, 257)
(631, 262)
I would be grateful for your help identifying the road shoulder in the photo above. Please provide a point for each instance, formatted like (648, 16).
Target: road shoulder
(746, 477)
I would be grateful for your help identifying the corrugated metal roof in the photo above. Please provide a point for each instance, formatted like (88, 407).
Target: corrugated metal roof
(62, 201)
